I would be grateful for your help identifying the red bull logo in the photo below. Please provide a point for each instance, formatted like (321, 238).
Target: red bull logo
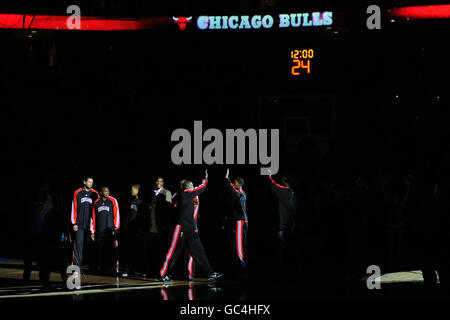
(182, 21)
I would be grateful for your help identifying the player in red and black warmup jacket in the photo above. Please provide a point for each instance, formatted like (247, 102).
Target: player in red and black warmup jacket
(82, 202)
(184, 234)
(105, 222)
(134, 226)
(239, 203)
(287, 206)
(190, 263)
(188, 257)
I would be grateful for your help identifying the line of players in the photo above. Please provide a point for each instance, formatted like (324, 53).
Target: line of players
(99, 213)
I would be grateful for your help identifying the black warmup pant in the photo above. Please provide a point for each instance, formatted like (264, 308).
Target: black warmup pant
(77, 256)
(284, 238)
(188, 264)
(181, 239)
(105, 245)
(135, 252)
(154, 253)
(135, 247)
(157, 246)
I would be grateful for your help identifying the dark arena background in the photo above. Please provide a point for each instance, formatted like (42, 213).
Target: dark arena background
(362, 114)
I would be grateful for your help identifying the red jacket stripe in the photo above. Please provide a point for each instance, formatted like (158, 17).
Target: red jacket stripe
(196, 208)
(238, 191)
(279, 186)
(73, 216)
(169, 254)
(198, 187)
(116, 212)
(93, 216)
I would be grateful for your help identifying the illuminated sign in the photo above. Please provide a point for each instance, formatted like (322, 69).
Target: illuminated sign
(441, 11)
(88, 23)
(301, 61)
(182, 21)
(292, 20)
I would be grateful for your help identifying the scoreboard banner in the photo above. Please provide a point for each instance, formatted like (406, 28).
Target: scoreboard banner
(74, 20)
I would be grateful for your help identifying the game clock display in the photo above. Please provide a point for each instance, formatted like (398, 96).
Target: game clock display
(301, 62)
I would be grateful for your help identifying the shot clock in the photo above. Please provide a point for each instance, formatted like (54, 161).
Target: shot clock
(301, 62)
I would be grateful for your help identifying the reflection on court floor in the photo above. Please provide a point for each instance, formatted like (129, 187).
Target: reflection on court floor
(12, 285)
(403, 276)
(97, 287)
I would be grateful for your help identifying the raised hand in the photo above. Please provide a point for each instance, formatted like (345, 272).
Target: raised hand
(206, 173)
(228, 172)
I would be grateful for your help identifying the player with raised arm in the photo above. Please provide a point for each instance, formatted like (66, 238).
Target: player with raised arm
(287, 206)
(188, 257)
(184, 234)
(239, 205)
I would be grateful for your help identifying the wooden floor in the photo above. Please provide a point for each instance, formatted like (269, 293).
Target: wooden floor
(404, 276)
(94, 287)
(13, 286)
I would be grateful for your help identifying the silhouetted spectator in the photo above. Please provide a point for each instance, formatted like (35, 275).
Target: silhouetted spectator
(43, 227)
(396, 193)
(160, 226)
(134, 231)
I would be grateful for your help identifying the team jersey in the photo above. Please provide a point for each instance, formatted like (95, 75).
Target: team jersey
(134, 209)
(185, 206)
(239, 201)
(105, 215)
(82, 202)
(287, 204)
(176, 199)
